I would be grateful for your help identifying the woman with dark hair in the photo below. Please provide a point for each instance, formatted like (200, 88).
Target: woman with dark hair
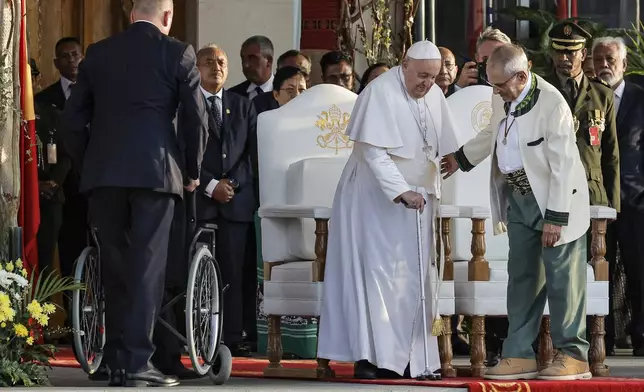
(371, 73)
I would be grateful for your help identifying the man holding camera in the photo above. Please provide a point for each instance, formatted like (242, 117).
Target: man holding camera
(226, 195)
(473, 73)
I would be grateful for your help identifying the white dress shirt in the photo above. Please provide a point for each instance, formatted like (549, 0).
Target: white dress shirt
(509, 155)
(619, 92)
(266, 87)
(66, 84)
(210, 188)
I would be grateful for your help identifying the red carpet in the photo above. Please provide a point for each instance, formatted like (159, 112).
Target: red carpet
(250, 367)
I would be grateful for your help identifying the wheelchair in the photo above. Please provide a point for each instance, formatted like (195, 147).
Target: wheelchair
(203, 310)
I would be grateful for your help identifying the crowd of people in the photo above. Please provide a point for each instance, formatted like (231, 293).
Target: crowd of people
(128, 157)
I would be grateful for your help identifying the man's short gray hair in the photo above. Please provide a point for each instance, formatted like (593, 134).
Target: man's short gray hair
(264, 43)
(511, 57)
(207, 47)
(609, 41)
(152, 7)
(492, 34)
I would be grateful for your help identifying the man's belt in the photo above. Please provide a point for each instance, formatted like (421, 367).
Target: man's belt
(518, 182)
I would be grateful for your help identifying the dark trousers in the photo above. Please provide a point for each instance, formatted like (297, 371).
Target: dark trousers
(133, 227)
(231, 254)
(627, 233)
(51, 219)
(249, 285)
(168, 346)
(73, 233)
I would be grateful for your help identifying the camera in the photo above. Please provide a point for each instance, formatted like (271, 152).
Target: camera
(482, 73)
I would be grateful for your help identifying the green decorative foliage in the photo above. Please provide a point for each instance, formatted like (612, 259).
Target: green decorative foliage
(24, 314)
(537, 48)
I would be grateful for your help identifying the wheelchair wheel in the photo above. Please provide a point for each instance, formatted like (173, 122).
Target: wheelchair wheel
(88, 312)
(222, 367)
(204, 311)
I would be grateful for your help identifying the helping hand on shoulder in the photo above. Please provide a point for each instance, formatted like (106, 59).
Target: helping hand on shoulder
(224, 191)
(449, 165)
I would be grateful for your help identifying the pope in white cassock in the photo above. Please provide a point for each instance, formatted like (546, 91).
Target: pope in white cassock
(371, 311)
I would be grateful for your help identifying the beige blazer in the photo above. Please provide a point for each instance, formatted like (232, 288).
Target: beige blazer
(551, 160)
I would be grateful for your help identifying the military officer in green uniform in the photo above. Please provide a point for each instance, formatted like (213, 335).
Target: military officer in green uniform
(592, 104)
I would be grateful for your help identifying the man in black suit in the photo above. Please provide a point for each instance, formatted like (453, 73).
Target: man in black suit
(257, 65)
(296, 58)
(133, 162)
(71, 217)
(627, 232)
(288, 83)
(227, 192)
(337, 68)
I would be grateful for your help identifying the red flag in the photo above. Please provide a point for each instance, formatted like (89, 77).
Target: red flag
(29, 211)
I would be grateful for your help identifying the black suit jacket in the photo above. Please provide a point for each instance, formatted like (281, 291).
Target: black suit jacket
(630, 123)
(128, 90)
(231, 153)
(264, 102)
(49, 105)
(240, 89)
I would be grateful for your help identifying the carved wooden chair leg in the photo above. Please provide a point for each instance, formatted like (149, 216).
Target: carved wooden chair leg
(324, 369)
(445, 348)
(274, 348)
(546, 350)
(597, 352)
(478, 269)
(477, 353)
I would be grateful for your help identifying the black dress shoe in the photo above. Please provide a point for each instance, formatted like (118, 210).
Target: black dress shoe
(101, 374)
(364, 370)
(240, 350)
(180, 372)
(116, 378)
(429, 377)
(386, 374)
(150, 378)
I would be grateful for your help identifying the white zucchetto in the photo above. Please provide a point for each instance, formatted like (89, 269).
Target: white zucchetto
(424, 50)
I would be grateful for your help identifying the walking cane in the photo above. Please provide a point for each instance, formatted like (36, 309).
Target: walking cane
(427, 374)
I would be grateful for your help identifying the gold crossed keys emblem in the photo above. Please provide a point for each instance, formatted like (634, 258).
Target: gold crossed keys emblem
(333, 123)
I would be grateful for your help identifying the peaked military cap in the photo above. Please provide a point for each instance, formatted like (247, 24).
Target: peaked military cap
(568, 36)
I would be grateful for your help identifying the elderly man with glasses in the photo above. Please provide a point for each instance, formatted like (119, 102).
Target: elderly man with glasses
(539, 195)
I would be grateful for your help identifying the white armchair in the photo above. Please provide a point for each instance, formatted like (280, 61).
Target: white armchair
(480, 283)
(302, 152)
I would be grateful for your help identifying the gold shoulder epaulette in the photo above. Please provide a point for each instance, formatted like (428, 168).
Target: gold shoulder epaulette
(598, 80)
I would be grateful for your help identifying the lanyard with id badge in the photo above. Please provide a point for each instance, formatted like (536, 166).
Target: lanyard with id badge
(52, 155)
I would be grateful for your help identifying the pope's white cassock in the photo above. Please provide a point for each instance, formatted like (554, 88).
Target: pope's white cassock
(371, 304)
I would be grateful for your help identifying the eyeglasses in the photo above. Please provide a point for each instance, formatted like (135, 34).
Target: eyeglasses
(293, 92)
(500, 86)
(449, 66)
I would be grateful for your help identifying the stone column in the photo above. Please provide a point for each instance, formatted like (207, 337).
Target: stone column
(228, 23)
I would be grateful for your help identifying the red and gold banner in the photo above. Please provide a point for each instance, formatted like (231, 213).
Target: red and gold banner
(29, 211)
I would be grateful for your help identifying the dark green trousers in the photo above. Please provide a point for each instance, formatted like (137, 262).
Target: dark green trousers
(536, 273)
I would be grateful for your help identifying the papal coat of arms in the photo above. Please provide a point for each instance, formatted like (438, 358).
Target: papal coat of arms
(481, 115)
(334, 124)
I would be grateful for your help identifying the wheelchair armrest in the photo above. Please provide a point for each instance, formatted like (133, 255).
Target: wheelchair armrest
(294, 212)
(210, 226)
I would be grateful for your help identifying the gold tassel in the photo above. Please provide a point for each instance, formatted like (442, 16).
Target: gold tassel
(437, 326)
